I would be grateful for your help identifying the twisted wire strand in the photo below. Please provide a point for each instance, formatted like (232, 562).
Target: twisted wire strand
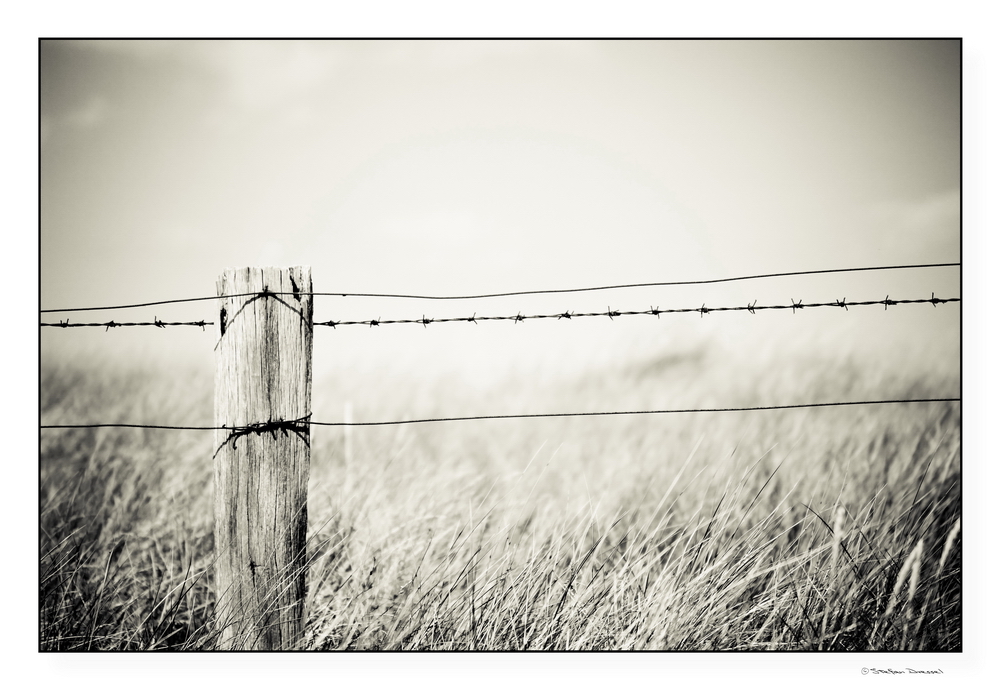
(752, 308)
(114, 325)
(522, 292)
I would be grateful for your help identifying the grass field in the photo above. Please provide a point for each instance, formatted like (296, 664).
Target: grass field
(824, 529)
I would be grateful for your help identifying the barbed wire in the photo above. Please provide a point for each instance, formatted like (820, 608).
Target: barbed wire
(297, 425)
(114, 325)
(752, 308)
(521, 292)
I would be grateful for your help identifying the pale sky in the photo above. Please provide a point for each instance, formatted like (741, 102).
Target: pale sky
(451, 167)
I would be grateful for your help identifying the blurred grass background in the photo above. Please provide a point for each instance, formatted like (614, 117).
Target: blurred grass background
(676, 532)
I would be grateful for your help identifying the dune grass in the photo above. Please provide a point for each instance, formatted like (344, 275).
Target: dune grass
(825, 529)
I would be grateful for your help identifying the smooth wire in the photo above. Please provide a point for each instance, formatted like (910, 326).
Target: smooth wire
(521, 292)
(525, 416)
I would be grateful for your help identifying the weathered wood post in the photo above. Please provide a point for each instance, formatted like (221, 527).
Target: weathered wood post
(263, 391)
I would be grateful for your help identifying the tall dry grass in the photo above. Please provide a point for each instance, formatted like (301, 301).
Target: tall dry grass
(825, 529)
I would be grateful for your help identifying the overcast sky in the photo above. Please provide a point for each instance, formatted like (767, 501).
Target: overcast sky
(469, 166)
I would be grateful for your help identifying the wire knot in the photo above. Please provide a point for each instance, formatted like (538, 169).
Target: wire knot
(374, 322)
(934, 301)
(842, 303)
(613, 314)
(565, 315)
(158, 324)
(425, 321)
(750, 307)
(473, 319)
(299, 427)
(704, 310)
(518, 318)
(110, 325)
(796, 305)
(655, 311)
(887, 302)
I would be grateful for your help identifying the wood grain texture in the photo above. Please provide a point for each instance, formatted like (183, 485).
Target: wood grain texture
(263, 375)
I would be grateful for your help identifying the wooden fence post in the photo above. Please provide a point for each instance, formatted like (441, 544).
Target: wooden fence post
(263, 391)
